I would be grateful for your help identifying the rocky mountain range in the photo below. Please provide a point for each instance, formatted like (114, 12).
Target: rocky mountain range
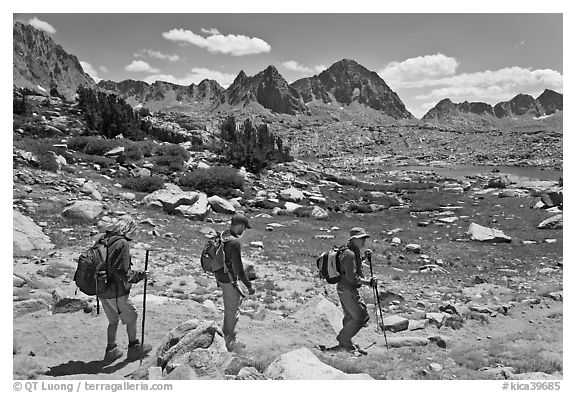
(547, 103)
(40, 64)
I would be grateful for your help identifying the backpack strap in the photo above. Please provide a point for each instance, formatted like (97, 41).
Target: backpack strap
(338, 255)
(228, 266)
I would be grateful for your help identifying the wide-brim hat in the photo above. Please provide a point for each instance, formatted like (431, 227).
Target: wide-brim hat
(358, 233)
(240, 219)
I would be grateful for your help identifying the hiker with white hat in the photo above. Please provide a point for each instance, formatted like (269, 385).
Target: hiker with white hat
(355, 313)
(116, 298)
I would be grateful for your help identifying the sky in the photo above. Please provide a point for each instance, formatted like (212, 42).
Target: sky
(423, 57)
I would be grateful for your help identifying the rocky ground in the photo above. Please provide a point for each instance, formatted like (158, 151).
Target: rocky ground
(471, 270)
(456, 308)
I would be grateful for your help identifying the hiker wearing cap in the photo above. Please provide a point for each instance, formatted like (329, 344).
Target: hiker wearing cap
(228, 281)
(355, 313)
(115, 300)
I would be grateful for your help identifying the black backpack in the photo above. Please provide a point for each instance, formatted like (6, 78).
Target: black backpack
(328, 264)
(93, 273)
(212, 256)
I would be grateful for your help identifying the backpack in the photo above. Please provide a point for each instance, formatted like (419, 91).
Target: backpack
(92, 273)
(328, 264)
(212, 256)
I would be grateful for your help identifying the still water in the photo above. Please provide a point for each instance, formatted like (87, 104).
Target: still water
(461, 171)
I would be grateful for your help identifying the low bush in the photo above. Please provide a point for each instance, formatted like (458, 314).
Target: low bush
(217, 180)
(103, 162)
(172, 150)
(143, 184)
(92, 145)
(44, 152)
(167, 165)
(98, 147)
(133, 152)
(78, 143)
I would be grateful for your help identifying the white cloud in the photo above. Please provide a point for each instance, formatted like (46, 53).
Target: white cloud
(493, 86)
(87, 67)
(236, 45)
(196, 75)
(41, 25)
(157, 55)
(103, 69)
(211, 31)
(505, 76)
(295, 66)
(418, 68)
(140, 66)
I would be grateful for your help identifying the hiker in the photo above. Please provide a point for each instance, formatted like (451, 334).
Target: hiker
(352, 278)
(228, 282)
(115, 300)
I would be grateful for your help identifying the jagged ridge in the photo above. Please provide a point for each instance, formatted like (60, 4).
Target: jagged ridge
(40, 64)
(345, 82)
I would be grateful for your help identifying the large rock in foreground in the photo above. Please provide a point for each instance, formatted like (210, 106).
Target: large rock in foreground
(27, 236)
(84, 211)
(302, 364)
(554, 222)
(483, 234)
(196, 344)
(170, 198)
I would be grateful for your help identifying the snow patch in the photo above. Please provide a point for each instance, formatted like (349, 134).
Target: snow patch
(41, 88)
(543, 117)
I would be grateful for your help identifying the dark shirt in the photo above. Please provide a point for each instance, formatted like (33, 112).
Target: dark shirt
(121, 276)
(350, 268)
(233, 260)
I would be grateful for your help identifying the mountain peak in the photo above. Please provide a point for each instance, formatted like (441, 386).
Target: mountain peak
(346, 82)
(42, 65)
(271, 69)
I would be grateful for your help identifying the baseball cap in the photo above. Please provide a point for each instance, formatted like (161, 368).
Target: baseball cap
(240, 219)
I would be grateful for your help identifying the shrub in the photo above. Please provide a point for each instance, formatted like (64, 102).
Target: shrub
(168, 164)
(215, 180)
(133, 152)
(20, 104)
(171, 150)
(92, 145)
(252, 147)
(98, 147)
(143, 184)
(44, 152)
(147, 147)
(78, 143)
(103, 162)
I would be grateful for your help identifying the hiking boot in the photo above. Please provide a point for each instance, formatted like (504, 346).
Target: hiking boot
(348, 348)
(232, 345)
(112, 354)
(134, 349)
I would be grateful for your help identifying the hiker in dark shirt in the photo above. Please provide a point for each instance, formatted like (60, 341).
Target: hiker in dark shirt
(228, 281)
(115, 300)
(355, 313)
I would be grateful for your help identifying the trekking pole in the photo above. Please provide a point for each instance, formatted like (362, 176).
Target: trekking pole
(377, 298)
(144, 306)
